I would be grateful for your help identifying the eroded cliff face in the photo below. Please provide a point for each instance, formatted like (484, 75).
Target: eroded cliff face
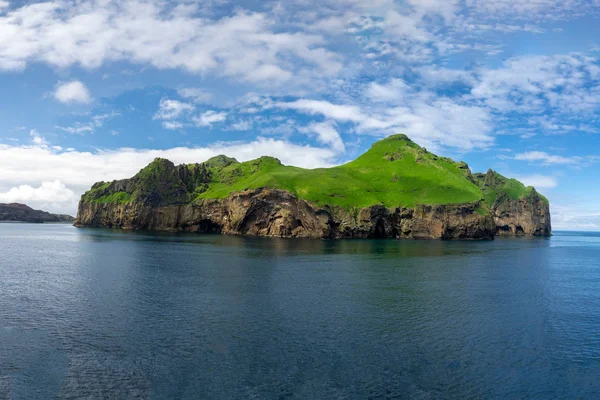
(277, 213)
(525, 216)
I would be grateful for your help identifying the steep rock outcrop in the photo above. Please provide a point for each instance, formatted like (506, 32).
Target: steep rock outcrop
(277, 213)
(524, 217)
(528, 215)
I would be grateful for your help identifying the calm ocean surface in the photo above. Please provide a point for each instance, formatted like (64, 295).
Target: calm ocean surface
(100, 314)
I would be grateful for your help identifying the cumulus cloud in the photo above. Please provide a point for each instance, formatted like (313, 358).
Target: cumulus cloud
(430, 120)
(176, 114)
(288, 42)
(31, 166)
(37, 139)
(52, 195)
(285, 42)
(72, 92)
(393, 92)
(208, 118)
(243, 45)
(54, 191)
(552, 94)
(536, 83)
(172, 109)
(326, 134)
(339, 112)
(531, 86)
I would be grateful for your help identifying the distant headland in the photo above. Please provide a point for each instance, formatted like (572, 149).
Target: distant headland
(16, 212)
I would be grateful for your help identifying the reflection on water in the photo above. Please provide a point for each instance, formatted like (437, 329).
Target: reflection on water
(389, 247)
(90, 313)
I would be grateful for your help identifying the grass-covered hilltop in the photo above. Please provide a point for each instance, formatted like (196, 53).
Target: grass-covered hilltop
(396, 189)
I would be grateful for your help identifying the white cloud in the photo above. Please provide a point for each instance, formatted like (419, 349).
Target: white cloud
(172, 109)
(197, 95)
(50, 195)
(393, 92)
(173, 125)
(327, 134)
(473, 26)
(550, 124)
(95, 122)
(243, 45)
(431, 121)
(445, 8)
(78, 170)
(534, 84)
(287, 42)
(77, 128)
(243, 125)
(325, 108)
(575, 214)
(545, 158)
(435, 75)
(37, 138)
(531, 9)
(54, 191)
(209, 117)
(72, 92)
(441, 122)
(539, 181)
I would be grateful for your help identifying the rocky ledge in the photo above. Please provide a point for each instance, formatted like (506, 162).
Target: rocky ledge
(277, 213)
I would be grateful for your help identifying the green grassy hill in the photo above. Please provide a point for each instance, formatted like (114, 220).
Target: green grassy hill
(394, 172)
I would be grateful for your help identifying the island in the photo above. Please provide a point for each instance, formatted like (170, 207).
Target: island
(16, 212)
(396, 189)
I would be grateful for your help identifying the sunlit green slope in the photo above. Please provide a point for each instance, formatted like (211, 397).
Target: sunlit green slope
(394, 172)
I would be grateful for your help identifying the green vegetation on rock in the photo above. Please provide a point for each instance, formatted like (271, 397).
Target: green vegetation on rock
(394, 172)
(497, 189)
(118, 197)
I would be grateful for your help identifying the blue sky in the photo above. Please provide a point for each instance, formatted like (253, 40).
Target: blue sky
(94, 90)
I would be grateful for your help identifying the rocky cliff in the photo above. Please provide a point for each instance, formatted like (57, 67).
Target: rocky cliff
(15, 212)
(526, 215)
(383, 194)
(272, 212)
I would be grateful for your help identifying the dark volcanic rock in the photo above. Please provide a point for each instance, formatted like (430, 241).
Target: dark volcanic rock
(270, 212)
(526, 216)
(21, 213)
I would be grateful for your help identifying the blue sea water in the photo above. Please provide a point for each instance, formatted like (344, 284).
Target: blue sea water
(101, 314)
